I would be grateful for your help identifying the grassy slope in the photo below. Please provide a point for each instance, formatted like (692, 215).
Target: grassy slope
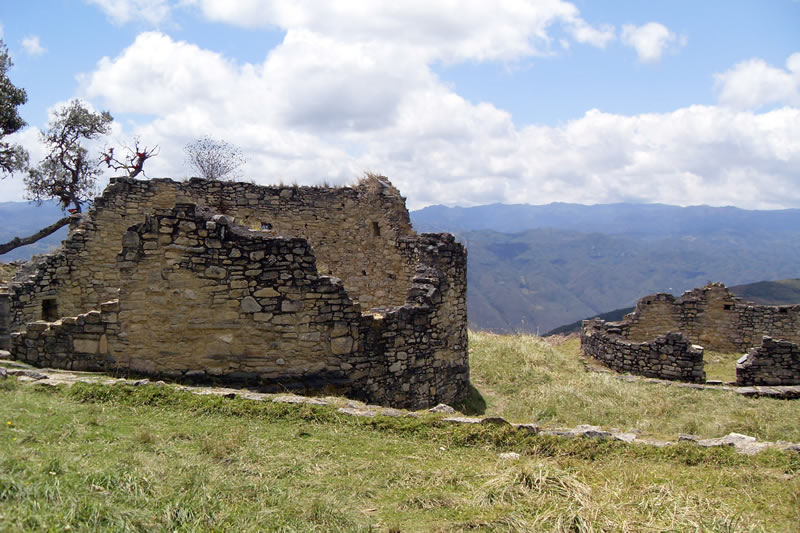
(143, 459)
(146, 458)
(524, 379)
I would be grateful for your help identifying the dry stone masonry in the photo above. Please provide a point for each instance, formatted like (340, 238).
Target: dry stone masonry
(669, 356)
(713, 317)
(710, 317)
(230, 281)
(775, 362)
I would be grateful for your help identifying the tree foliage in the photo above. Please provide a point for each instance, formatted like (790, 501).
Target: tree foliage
(68, 173)
(213, 159)
(13, 157)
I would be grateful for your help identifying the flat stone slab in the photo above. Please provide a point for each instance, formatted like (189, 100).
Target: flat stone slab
(352, 411)
(285, 398)
(509, 456)
(625, 437)
(30, 374)
(462, 420)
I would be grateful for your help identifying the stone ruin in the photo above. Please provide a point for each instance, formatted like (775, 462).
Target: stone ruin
(665, 336)
(286, 287)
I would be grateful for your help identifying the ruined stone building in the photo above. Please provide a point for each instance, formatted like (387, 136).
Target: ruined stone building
(666, 336)
(284, 287)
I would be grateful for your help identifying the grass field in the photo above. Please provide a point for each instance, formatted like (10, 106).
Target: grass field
(523, 378)
(120, 458)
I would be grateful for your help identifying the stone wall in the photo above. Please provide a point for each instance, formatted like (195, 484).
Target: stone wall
(713, 317)
(74, 343)
(200, 297)
(5, 319)
(670, 356)
(775, 362)
(357, 234)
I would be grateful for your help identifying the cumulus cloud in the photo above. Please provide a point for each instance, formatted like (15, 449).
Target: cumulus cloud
(650, 40)
(319, 108)
(32, 45)
(753, 84)
(447, 31)
(124, 11)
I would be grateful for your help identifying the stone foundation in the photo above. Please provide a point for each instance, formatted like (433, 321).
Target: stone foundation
(670, 356)
(710, 316)
(775, 362)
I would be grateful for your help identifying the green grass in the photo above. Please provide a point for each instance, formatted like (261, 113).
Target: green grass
(121, 458)
(100, 458)
(720, 366)
(524, 379)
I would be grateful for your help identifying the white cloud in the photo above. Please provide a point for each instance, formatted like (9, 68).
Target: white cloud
(321, 108)
(753, 84)
(123, 11)
(450, 31)
(32, 45)
(650, 40)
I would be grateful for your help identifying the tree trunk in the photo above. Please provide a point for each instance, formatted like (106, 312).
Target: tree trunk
(16, 242)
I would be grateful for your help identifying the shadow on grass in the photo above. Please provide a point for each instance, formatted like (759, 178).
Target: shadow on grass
(474, 404)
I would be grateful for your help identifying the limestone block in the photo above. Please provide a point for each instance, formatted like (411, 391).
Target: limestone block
(85, 345)
(266, 292)
(291, 306)
(341, 345)
(250, 305)
(215, 272)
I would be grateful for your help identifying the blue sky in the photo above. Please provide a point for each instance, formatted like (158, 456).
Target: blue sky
(463, 103)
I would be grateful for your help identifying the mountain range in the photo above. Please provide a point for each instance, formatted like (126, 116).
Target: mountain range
(534, 268)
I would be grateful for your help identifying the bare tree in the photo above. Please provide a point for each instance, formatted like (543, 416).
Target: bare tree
(213, 159)
(132, 161)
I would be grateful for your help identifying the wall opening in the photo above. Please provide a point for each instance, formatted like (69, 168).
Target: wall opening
(49, 310)
(376, 229)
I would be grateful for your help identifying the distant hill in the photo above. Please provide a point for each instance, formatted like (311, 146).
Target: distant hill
(781, 292)
(540, 279)
(642, 220)
(535, 268)
(21, 219)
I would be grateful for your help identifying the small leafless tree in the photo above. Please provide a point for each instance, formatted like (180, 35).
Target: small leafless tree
(132, 161)
(213, 159)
